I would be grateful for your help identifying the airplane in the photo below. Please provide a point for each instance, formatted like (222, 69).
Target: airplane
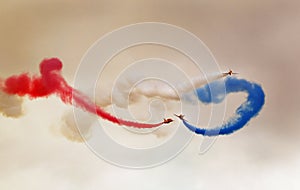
(180, 116)
(230, 72)
(169, 120)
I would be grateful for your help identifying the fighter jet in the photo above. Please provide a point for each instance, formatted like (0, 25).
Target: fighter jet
(230, 72)
(169, 120)
(180, 116)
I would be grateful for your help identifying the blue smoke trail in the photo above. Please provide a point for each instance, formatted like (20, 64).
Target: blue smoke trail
(214, 93)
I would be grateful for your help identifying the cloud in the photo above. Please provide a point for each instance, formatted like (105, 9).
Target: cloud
(11, 106)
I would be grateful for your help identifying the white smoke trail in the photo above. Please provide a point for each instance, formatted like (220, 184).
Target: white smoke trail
(131, 90)
(154, 88)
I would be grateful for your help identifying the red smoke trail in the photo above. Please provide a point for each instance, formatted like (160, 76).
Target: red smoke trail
(51, 82)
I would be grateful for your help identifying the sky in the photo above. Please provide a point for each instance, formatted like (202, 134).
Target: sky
(258, 39)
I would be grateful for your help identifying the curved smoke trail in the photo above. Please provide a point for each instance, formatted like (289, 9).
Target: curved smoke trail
(51, 82)
(249, 109)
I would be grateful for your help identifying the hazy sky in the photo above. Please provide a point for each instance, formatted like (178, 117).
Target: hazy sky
(258, 39)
